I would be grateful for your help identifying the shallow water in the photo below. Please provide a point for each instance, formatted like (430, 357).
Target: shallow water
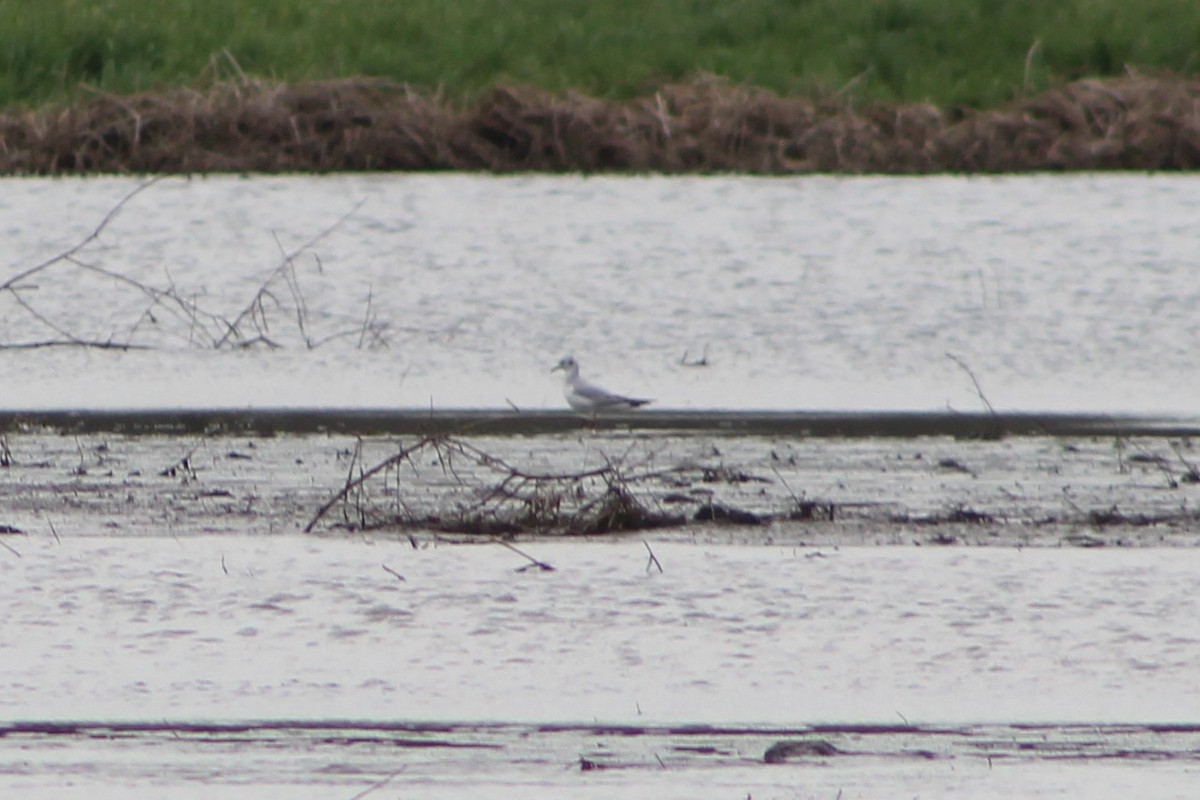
(1056, 292)
(147, 602)
(235, 654)
(316, 638)
(283, 628)
(516, 761)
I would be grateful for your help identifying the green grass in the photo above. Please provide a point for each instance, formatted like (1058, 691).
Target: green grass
(969, 52)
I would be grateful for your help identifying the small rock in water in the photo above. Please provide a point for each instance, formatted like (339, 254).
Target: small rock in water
(782, 751)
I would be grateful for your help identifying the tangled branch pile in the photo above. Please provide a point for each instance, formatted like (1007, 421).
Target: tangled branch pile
(703, 126)
(482, 494)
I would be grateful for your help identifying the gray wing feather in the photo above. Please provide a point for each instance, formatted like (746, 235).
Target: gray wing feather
(602, 397)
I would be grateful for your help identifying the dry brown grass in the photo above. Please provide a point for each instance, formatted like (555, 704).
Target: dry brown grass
(703, 126)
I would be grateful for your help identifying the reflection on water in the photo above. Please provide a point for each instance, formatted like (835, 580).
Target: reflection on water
(1055, 292)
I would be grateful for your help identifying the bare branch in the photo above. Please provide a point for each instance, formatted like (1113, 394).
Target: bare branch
(653, 562)
(533, 562)
(91, 237)
(978, 389)
(353, 484)
(255, 307)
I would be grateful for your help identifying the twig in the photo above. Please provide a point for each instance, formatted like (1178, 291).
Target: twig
(82, 468)
(542, 565)
(362, 333)
(9, 548)
(489, 460)
(254, 309)
(596, 499)
(42, 318)
(978, 389)
(1170, 476)
(1119, 445)
(167, 299)
(298, 301)
(782, 480)
(653, 562)
(11, 283)
(360, 492)
(374, 786)
(71, 342)
(184, 464)
(393, 572)
(355, 483)
(203, 328)
(1191, 473)
(1066, 495)
(698, 362)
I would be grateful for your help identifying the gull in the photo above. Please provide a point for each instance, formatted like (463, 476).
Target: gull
(584, 396)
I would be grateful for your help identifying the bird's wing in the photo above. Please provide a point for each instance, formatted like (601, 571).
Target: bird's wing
(603, 397)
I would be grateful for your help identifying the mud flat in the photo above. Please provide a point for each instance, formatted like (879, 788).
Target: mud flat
(895, 424)
(321, 759)
(747, 478)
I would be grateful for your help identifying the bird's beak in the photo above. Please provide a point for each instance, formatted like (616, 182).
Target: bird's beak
(556, 367)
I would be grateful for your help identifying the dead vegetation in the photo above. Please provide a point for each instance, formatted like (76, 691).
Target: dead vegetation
(448, 485)
(513, 488)
(707, 125)
(476, 493)
(483, 494)
(170, 315)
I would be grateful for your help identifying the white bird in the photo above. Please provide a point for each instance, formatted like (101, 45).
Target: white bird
(584, 396)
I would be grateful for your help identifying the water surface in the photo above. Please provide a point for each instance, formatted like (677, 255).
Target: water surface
(819, 293)
(135, 593)
(348, 667)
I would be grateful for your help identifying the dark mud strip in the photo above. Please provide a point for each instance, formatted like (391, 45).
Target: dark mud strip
(464, 746)
(368, 422)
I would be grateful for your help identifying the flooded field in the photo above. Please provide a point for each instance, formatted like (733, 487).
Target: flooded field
(1057, 293)
(291, 505)
(881, 610)
(321, 666)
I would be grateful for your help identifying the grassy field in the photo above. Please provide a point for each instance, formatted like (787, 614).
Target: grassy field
(978, 53)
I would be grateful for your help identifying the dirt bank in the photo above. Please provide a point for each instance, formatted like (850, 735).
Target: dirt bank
(1132, 123)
